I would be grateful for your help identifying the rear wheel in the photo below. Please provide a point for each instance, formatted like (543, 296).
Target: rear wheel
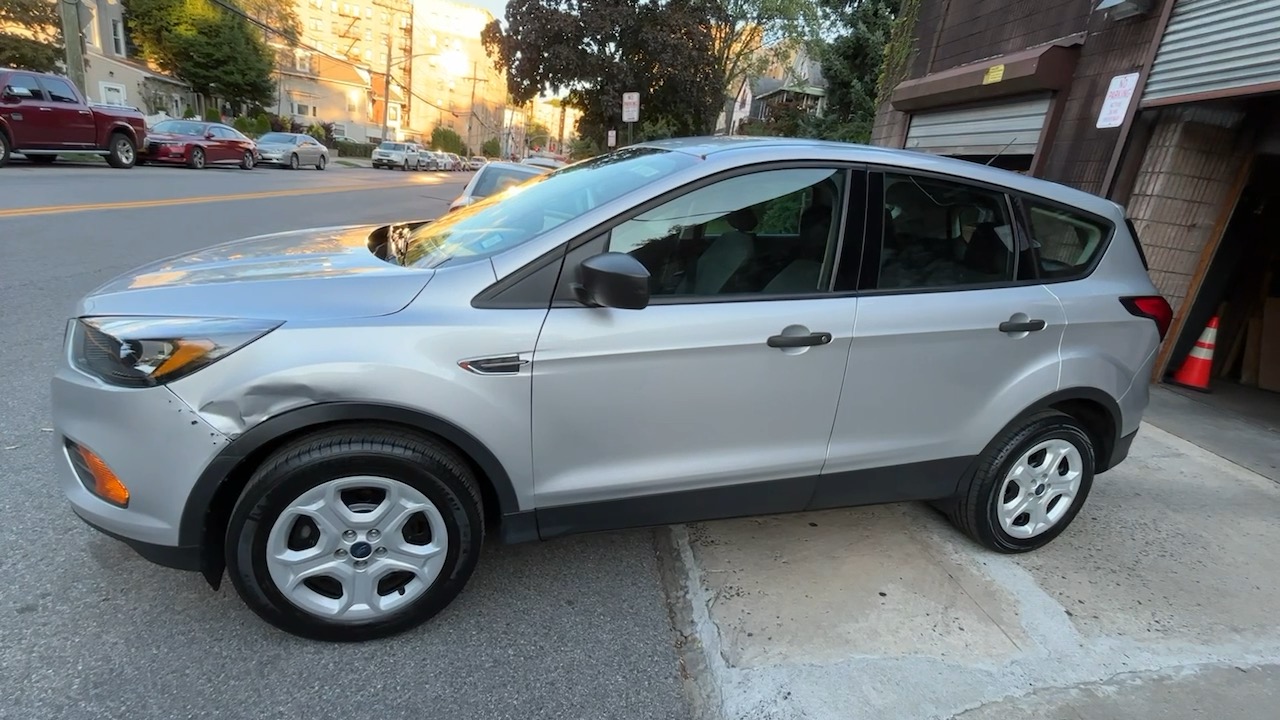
(122, 154)
(197, 158)
(405, 166)
(1029, 484)
(4, 149)
(352, 534)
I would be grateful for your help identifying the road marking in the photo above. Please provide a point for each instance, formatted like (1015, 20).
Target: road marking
(135, 204)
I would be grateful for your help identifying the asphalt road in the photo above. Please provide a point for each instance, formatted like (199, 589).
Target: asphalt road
(567, 629)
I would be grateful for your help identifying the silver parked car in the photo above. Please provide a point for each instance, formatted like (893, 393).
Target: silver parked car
(292, 150)
(492, 178)
(677, 331)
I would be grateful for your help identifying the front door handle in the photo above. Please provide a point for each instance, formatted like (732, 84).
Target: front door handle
(794, 341)
(1009, 326)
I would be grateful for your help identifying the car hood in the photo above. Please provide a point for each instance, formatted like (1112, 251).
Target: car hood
(316, 274)
(274, 147)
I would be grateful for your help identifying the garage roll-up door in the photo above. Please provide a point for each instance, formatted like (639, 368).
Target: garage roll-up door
(1011, 127)
(1216, 46)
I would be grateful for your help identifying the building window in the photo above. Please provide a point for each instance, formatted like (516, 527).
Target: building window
(302, 62)
(368, 34)
(368, 12)
(112, 93)
(316, 24)
(300, 109)
(117, 37)
(368, 54)
(382, 58)
(317, 4)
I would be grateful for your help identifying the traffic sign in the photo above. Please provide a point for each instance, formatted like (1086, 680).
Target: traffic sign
(613, 138)
(630, 107)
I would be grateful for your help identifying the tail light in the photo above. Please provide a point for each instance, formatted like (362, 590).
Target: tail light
(1152, 307)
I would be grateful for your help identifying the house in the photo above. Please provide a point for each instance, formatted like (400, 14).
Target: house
(791, 78)
(113, 76)
(316, 87)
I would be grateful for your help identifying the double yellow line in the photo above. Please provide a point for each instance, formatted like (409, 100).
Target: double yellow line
(135, 204)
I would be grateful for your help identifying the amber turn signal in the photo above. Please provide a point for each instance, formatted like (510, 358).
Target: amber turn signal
(104, 483)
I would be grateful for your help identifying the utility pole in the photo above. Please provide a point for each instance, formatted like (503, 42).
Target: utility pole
(69, 10)
(386, 92)
(471, 109)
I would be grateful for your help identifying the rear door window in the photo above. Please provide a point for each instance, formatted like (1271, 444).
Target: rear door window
(60, 91)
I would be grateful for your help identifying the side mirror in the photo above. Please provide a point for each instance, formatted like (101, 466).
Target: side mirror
(614, 280)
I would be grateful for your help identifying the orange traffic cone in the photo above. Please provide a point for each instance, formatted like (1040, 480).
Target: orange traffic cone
(1195, 370)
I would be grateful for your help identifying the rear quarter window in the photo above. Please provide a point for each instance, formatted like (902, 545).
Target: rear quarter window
(1066, 242)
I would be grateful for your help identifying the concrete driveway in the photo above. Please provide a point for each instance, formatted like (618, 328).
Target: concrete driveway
(1159, 601)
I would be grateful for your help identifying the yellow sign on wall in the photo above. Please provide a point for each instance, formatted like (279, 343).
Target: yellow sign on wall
(994, 74)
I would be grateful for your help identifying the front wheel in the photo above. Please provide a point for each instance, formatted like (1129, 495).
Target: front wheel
(322, 162)
(4, 149)
(246, 161)
(197, 158)
(405, 166)
(294, 162)
(1029, 484)
(357, 533)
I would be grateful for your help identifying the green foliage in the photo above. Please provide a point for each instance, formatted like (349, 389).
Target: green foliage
(190, 112)
(319, 132)
(243, 124)
(663, 49)
(350, 149)
(442, 138)
(30, 35)
(898, 49)
(537, 134)
(583, 148)
(211, 114)
(491, 148)
(218, 52)
(262, 124)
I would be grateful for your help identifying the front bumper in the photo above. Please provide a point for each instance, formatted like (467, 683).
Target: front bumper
(153, 441)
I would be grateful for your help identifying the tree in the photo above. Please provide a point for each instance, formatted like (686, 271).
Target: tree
(746, 35)
(537, 135)
(30, 35)
(491, 148)
(598, 51)
(851, 64)
(442, 138)
(214, 49)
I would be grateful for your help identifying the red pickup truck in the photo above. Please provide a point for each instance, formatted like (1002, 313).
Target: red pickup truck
(43, 115)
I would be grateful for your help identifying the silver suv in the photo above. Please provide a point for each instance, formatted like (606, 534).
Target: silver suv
(677, 331)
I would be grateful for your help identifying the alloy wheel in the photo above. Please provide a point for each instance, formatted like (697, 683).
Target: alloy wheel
(1040, 488)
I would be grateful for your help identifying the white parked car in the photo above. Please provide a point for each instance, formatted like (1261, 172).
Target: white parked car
(396, 155)
(492, 178)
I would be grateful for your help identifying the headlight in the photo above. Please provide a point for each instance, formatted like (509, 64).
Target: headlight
(145, 351)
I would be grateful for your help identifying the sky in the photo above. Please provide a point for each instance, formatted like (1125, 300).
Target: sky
(497, 7)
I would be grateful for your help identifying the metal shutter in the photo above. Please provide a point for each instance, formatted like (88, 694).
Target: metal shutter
(1216, 45)
(1012, 127)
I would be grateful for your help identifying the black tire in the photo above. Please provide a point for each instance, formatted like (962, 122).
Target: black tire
(425, 465)
(246, 160)
(4, 149)
(322, 162)
(975, 512)
(197, 158)
(42, 159)
(122, 152)
(294, 162)
(405, 166)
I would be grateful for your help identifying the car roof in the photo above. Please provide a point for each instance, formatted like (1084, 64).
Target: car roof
(814, 149)
(504, 165)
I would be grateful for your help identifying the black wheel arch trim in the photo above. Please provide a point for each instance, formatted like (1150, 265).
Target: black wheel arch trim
(191, 530)
(1093, 395)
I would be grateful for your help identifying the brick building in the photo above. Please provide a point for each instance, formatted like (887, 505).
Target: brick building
(1169, 107)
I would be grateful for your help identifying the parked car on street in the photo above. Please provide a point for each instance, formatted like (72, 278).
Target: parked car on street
(455, 162)
(436, 160)
(543, 162)
(392, 155)
(198, 144)
(43, 115)
(493, 178)
(476, 162)
(338, 417)
(292, 150)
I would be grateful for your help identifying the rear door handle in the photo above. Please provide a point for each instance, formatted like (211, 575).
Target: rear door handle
(794, 341)
(1009, 326)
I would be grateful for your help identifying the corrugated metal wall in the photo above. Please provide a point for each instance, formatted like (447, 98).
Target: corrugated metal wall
(1012, 127)
(1216, 45)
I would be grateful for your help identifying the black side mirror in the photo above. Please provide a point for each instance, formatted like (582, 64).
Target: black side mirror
(614, 280)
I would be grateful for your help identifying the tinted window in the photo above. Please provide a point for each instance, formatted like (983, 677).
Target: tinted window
(391, 146)
(942, 234)
(1065, 242)
(60, 90)
(494, 180)
(28, 82)
(277, 138)
(772, 232)
(501, 222)
(224, 133)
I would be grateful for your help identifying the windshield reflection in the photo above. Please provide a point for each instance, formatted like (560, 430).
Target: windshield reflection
(522, 212)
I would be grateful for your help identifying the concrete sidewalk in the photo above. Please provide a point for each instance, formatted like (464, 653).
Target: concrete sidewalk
(1159, 601)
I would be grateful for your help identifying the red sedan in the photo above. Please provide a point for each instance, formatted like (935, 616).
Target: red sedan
(198, 144)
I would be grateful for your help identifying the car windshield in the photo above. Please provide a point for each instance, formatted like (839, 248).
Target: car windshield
(494, 180)
(278, 138)
(522, 212)
(391, 146)
(179, 127)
